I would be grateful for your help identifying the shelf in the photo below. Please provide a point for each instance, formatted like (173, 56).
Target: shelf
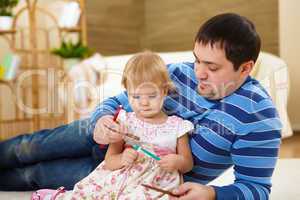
(4, 82)
(7, 82)
(2, 32)
(13, 121)
(33, 41)
(73, 29)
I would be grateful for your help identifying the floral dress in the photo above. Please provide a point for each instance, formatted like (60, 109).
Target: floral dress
(126, 183)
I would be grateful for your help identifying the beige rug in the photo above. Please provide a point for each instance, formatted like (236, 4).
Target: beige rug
(15, 195)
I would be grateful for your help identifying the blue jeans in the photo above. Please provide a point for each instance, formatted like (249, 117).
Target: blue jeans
(49, 158)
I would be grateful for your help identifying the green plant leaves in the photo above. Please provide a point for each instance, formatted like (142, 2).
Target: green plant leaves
(6, 7)
(71, 50)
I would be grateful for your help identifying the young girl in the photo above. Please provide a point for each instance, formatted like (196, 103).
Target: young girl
(157, 153)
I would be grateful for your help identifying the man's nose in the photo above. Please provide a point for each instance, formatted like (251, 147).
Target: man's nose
(201, 72)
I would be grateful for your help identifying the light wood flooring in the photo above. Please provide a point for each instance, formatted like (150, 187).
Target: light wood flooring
(290, 147)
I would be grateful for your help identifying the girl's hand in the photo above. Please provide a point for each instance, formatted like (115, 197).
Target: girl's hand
(170, 162)
(108, 131)
(129, 155)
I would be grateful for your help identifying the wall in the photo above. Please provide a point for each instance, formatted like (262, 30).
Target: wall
(120, 27)
(172, 24)
(114, 26)
(289, 32)
(128, 26)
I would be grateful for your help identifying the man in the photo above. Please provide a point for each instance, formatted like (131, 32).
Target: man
(235, 122)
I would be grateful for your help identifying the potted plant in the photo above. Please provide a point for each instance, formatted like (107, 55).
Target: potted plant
(72, 53)
(6, 7)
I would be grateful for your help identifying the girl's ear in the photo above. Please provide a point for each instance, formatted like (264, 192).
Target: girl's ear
(166, 89)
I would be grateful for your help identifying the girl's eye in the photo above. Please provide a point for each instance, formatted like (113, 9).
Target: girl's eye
(152, 96)
(135, 96)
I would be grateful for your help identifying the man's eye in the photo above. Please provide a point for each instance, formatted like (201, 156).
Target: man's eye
(213, 69)
(197, 61)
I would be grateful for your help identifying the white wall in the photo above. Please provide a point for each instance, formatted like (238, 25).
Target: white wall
(289, 34)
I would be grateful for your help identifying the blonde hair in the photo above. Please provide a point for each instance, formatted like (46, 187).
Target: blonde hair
(146, 67)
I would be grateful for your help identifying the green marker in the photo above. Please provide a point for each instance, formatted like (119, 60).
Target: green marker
(146, 152)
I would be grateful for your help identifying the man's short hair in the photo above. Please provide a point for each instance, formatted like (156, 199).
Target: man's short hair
(235, 34)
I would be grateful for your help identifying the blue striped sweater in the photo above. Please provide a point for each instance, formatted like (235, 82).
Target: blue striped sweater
(241, 130)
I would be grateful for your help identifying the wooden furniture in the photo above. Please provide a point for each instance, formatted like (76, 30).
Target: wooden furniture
(34, 91)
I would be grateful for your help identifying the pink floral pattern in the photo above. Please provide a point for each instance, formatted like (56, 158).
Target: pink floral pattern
(125, 183)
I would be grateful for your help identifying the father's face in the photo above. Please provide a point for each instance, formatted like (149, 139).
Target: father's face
(215, 73)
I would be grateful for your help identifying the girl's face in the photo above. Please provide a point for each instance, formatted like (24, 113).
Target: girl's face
(146, 100)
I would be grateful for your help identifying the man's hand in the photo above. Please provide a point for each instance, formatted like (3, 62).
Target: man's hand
(170, 162)
(194, 191)
(108, 131)
(129, 155)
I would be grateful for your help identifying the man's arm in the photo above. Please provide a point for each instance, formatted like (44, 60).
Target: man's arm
(254, 163)
(252, 145)
(254, 166)
(254, 157)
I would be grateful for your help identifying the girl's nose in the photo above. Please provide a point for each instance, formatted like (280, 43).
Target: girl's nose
(144, 101)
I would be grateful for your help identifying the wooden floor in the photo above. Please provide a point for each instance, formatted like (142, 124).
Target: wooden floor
(290, 147)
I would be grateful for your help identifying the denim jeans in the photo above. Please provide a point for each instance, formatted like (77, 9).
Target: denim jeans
(49, 158)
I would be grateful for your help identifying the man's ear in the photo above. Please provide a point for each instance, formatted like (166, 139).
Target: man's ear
(246, 67)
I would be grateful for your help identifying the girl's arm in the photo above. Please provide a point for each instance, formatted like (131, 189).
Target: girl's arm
(117, 157)
(184, 151)
(113, 156)
(182, 161)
